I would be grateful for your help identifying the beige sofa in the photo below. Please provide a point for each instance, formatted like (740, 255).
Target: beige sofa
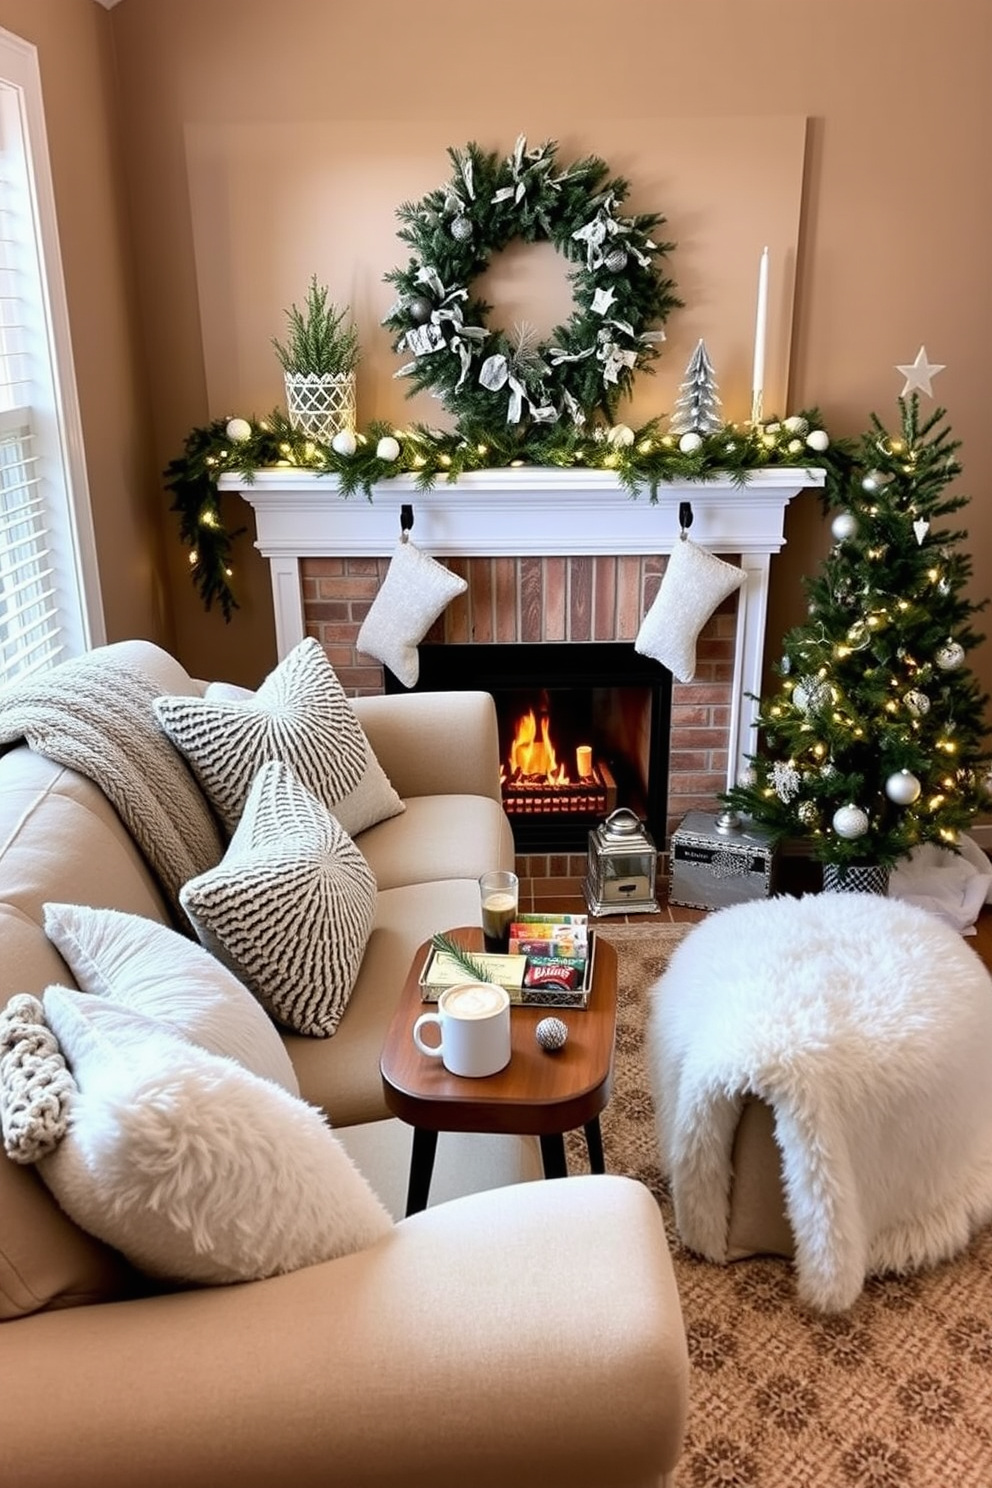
(523, 1332)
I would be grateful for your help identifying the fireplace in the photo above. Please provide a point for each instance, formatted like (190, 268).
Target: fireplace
(583, 728)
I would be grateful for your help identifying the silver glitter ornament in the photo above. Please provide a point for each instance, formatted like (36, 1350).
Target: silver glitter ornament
(917, 702)
(949, 656)
(850, 822)
(461, 229)
(551, 1034)
(616, 260)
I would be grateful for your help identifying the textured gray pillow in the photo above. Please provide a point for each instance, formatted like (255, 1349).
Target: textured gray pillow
(289, 908)
(301, 716)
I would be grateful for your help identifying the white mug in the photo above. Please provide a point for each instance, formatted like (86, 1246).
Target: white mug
(474, 1023)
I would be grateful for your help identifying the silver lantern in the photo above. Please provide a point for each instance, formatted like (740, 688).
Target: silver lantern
(622, 868)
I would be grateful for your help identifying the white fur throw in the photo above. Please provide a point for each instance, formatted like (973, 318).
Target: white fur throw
(866, 1024)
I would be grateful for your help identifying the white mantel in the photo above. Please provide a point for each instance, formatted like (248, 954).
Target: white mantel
(527, 511)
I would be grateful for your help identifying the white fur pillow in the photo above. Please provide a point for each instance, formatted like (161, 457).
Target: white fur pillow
(190, 1166)
(299, 715)
(290, 907)
(151, 969)
(414, 592)
(692, 586)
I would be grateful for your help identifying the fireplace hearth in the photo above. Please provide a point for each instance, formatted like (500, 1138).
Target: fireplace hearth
(583, 729)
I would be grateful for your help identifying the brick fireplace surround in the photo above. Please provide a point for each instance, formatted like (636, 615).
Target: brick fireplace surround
(497, 529)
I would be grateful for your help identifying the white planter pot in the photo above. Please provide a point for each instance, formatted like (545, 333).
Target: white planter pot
(321, 406)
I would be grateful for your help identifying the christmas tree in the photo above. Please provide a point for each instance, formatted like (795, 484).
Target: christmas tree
(874, 743)
(696, 409)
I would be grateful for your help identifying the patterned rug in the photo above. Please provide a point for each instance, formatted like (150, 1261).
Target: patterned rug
(895, 1393)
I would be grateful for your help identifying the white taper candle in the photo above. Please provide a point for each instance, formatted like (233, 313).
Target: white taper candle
(760, 333)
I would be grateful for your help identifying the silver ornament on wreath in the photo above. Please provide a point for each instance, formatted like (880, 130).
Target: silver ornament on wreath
(461, 229)
(616, 260)
(903, 788)
(850, 822)
(420, 309)
(949, 656)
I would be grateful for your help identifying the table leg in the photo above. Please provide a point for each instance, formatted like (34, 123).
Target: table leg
(594, 1146)
(553, 1155)
(421, 1168)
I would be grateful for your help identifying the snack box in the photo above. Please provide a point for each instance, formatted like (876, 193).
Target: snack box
(441, 970)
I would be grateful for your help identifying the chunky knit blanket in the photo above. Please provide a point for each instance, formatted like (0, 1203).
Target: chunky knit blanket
(94, 714)
(866, 1024)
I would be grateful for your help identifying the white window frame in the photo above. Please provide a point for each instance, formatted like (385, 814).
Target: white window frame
(51, 404)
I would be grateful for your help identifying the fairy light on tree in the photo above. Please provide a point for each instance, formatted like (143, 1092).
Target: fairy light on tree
(876, 741)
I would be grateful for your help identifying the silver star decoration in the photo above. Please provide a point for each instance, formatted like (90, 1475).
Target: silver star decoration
(919, 373)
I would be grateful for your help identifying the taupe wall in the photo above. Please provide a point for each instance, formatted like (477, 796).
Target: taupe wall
(893, 246)
(77, 66)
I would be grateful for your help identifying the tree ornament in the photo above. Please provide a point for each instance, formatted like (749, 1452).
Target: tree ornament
(388, 448)
(819, 440)
(420, 309)
(916, 702)
(811, 694)
(844, 526)
(588, 363)
(238, 430)
(921, 527)
(616, 260)
(344, 443)
(850, 822)
(551, 1034)
(785, 665)
(807, 813)
(690, 443)
(796, 425)
(903, 788)
(747, 777)
(919, 373)
(786, 779)
(949, 656)
(697, 406)
(621, 436)
(871, 481)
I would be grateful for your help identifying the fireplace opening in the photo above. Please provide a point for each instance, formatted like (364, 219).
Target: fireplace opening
(583, 729)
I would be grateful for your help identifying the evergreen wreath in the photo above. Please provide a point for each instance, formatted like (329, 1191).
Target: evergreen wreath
(621, 296)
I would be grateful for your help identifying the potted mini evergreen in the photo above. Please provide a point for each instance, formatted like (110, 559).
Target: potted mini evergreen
(319, 357)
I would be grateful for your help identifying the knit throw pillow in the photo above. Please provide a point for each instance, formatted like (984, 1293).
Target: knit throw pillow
(692, 586)
(289, 908)
(415, 591)
(193, 1168)
(36, 1088)
(301, 716)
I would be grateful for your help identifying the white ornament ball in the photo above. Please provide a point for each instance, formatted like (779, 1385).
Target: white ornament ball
(690, 443)
(850, 822)
(818, 439)
(796, 425)
(844, 526)
(807, 813)
(388, 448)
(903, 788)
(621, 436)
(461, 229)
(238, 430)
(344, 443)
(551, 1034)
(950, 656)
(917, 702)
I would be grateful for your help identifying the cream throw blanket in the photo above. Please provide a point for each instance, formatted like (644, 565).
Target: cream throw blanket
(94, 714)
(866, 1024)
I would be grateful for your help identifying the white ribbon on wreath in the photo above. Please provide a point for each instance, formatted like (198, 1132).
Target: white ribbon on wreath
(496, 374)
(524, 162)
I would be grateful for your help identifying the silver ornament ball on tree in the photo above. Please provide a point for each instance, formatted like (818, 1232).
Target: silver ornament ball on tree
(420, 309)
(903, 788)
(950, 656)
(461, 229)
(917, 702)
(616, 260)
(850, 822)
(844, 526)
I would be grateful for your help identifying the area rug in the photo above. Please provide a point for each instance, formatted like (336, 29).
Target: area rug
(895, 1393)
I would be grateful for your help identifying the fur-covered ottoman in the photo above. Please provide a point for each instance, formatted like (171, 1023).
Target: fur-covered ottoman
(822, 1069)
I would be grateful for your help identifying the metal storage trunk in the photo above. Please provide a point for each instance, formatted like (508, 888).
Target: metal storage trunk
(716, 861)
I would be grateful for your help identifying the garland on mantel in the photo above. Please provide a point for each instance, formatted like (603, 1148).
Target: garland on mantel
(643, 459)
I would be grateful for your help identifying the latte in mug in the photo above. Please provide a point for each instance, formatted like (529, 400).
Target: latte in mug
(474, 1023)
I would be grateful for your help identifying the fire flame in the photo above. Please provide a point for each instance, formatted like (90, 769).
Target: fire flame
(532, 753)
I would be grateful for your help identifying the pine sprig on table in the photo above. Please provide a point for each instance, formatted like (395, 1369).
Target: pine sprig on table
(469, 964)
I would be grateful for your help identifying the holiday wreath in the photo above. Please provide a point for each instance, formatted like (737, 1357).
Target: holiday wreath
(621, 296)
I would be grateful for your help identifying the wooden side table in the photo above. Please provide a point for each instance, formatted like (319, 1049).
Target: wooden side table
(537, 1094)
